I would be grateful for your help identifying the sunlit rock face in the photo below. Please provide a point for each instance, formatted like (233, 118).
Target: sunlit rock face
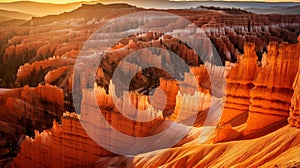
(271, 96)
(185, 104)
(254, 92)
(294, 119)
(24, 109)
(36, 104)
(55, 70)
(63, 146)
(69, 144)
(169, 90)
(239, 82)
(63, 142)
(294, 109)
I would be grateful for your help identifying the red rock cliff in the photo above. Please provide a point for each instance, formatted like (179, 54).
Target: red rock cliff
(294, 118)
(239, 82)
(271, 96)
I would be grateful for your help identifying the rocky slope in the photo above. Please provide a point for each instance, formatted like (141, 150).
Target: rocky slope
(265, 151)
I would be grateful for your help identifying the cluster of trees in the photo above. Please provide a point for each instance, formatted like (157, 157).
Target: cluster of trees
(232, 10)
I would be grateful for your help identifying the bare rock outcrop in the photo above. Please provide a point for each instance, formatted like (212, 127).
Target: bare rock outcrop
(294, 119)
(225, 133)
(24, 109)
(65, 145)
(51, 70)
(188, 105)
(168, 90)
(239, 82)
(273, 90)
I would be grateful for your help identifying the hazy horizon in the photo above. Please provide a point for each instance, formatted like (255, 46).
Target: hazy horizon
(129, 1)
(57, 7)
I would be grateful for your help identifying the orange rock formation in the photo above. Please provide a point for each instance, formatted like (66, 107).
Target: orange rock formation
(271, 96)
(258, 99)
(294, 119)
(239, 82)
(64, 146)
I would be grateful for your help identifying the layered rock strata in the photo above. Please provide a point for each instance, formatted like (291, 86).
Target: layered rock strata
(239, 82)
(64, 146)
(294, 118)
(273, 87)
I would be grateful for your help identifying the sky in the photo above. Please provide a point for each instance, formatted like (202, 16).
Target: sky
(69, 1)
(47, 1)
